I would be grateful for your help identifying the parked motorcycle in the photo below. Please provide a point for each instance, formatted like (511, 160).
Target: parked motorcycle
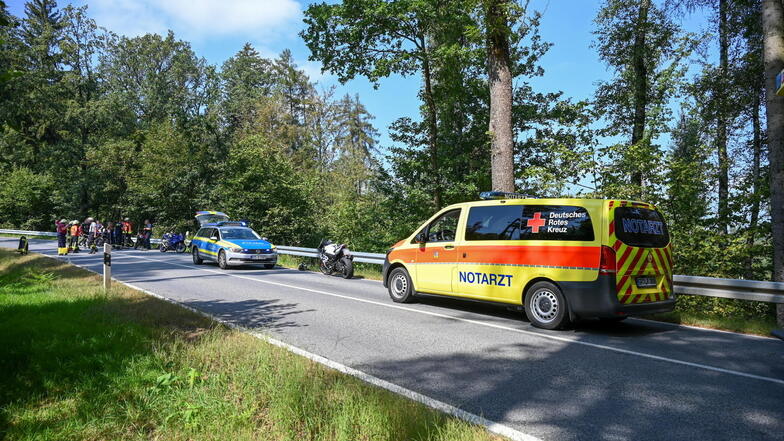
(335, 258)
(140, 240)
(172, 241)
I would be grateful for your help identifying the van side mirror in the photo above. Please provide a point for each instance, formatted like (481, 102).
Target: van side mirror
(420, 238)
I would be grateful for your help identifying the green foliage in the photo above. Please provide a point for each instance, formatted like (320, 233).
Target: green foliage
(262, 184)
(27, 199)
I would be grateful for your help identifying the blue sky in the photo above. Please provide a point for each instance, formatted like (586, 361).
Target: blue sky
(218, 32)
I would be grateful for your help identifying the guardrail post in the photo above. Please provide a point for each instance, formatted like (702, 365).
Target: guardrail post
(107, 267)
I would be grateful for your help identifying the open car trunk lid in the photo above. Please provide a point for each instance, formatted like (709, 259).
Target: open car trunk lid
(210, 217)
(639, 236)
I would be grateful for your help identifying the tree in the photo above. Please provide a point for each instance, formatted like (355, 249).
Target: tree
(158, 78)
(643, 45)
(773, 52)
(377, 38)
(245, 78)
(497, 19)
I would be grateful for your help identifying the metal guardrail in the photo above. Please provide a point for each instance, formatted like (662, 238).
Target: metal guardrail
(373, 258)
(50, 234)
(757, 290)
(754, 290)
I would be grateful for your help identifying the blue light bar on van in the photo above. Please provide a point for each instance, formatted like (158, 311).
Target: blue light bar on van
(488, 195)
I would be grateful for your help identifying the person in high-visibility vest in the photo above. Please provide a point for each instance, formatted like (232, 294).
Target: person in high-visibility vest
(76, 232)
(127, 228)
(62, 229)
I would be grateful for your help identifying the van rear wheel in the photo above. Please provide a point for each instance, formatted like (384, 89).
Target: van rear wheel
(545, 306)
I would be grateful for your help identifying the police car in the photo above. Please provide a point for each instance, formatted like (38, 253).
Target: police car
(230, 243)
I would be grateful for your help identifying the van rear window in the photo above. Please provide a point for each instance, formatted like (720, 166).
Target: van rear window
(641, 227)
(529, 222)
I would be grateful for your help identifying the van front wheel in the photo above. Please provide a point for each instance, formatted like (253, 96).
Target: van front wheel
(400, 288)
(545, 306)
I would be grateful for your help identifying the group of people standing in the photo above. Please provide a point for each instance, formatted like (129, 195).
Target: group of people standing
(71, 235)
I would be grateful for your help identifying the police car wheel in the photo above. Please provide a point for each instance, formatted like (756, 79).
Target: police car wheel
(222, 262)
(197, 260)
(545, 306)
(401, 289)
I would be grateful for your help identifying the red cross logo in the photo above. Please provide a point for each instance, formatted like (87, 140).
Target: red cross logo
(536, 222)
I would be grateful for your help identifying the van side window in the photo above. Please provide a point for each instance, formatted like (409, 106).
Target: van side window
(556, 222)
(499, 222)
(444, 228)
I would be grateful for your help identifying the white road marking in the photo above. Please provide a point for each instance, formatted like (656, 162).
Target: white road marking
(486, 324)
(491, 426)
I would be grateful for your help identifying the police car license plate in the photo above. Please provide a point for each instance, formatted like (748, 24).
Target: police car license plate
(257, 257)
(645, 282)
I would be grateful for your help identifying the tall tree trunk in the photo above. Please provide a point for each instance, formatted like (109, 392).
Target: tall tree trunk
(721, 120)
(432, 129)
(500, 74)
(755, 176)
(773, 53)
(640, 85)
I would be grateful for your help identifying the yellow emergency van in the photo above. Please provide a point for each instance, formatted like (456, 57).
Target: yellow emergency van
(560, 259)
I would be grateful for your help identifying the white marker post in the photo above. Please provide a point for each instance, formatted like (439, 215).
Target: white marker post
(107, 267)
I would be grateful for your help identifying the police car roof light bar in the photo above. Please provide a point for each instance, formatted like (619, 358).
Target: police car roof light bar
(488, 195)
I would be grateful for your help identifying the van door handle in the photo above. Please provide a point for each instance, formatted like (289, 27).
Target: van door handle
(449, 247)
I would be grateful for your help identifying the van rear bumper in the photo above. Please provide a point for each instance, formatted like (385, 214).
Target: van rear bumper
(599, 299)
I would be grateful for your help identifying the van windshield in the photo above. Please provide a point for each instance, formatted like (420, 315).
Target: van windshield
(641, 227)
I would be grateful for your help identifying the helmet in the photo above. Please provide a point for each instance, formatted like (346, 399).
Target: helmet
(126, 219)
(63, 221)
(89, 219)
(75, 222)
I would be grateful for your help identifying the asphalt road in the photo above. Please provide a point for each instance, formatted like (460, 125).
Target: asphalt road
(636, 380)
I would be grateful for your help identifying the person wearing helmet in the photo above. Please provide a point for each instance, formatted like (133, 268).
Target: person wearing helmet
(92, 232)
(62, 229)
(76, 232)
(127, 228)
(117, 235)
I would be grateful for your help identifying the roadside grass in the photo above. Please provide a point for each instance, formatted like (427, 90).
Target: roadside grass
(758, 326)
(16, 236)
(78, 364)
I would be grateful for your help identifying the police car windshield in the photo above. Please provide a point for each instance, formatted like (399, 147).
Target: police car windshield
(238, 233)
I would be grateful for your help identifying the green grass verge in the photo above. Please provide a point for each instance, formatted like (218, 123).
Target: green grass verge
(78, 364)
(759, 326)
(16, 236)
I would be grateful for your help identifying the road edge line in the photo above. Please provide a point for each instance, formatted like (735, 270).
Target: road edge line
(489, 425)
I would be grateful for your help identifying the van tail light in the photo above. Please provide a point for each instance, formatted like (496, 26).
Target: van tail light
(607, 264)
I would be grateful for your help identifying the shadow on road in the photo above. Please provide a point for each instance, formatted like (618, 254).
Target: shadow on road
(267, 314)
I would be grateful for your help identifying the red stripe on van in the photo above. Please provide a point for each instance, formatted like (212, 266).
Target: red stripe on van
(560, 256)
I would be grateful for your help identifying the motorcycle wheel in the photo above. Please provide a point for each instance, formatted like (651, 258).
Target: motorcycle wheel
(180, 247)
(162, 248)
(325, 269)
(348, 268)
